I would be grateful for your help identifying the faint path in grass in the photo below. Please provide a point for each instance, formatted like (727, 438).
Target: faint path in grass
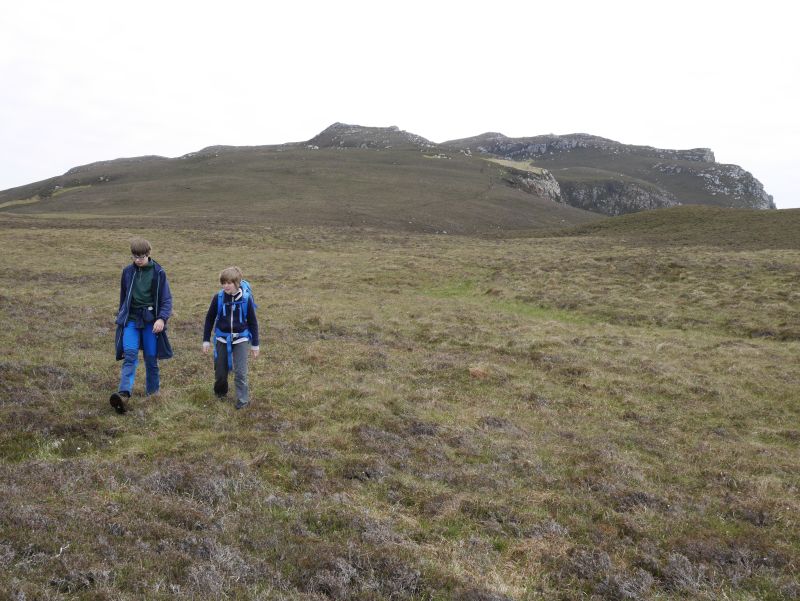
(24, 201)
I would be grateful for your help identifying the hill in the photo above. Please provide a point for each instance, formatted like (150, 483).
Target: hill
(354, 176)
(371, 178)
(736, 229)
(609, 177)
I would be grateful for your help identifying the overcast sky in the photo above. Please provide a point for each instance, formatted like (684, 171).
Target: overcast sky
(84, 81)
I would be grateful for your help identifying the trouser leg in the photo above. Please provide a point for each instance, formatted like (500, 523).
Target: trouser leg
(130, 356)
(240, 371)
(152, 376)
(221, 369)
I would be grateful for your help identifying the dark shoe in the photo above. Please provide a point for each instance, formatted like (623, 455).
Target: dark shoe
(242, 404)
(221, 397)
(117, 401)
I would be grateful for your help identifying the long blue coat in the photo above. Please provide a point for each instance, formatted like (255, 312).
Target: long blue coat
(163, 307)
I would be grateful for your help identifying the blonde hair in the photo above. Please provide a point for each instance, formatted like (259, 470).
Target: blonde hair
(231, 274)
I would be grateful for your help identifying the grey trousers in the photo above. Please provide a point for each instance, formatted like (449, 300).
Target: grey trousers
(240, 352)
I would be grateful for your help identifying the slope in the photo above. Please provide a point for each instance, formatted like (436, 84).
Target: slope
(613, 178)
(294, 184)
(736, 229)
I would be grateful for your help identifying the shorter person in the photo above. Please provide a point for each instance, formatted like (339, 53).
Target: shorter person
(145, 304)
(232, 316)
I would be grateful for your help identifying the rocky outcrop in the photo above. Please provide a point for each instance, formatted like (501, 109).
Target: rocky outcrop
(520, 149)
(342, 135)
(609, 177)
(540, 183)
(616, 197)
(729, 181)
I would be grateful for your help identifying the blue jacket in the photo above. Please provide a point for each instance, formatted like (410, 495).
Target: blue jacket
(162, 307)
(232, 323)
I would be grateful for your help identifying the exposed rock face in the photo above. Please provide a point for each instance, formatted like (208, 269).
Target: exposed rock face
(609, 177)
(615, 197)
(540, 183)
(726, 180)
(520, 149)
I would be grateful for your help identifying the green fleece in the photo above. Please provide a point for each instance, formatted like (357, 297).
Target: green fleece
(143, 287)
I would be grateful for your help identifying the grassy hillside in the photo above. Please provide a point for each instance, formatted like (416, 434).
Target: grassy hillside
(433, 417)
(736, 229)
(292, 185)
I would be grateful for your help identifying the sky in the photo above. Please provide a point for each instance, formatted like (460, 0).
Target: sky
(86, 81)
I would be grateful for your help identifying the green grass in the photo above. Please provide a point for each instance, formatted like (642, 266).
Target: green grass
(735, 229)
(399, 189)
(610, 413)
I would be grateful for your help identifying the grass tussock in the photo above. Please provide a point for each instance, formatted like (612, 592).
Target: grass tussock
(432, 418)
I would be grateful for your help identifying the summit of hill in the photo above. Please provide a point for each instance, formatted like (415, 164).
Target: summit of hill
(342, 135)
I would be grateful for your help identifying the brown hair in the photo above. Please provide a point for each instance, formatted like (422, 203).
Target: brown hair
(140, 246)
(231, 274)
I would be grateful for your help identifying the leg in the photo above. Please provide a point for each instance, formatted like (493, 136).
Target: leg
(150, 345)
(240, 352)
(221, 369)
(130, 359)
(131, 338)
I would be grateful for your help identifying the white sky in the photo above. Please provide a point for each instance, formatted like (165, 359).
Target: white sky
(84, 81)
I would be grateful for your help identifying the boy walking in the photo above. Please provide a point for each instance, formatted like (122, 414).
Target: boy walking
(232, 314)
(145, 304)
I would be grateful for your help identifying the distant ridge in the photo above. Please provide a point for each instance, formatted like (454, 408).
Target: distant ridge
(581, 170)
(609, 177)
(347, 176)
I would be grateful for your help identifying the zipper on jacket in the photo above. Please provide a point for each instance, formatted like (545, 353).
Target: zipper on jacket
(158, 288)
(128, 301)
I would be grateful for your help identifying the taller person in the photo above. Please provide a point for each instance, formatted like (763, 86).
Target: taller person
(145, 305)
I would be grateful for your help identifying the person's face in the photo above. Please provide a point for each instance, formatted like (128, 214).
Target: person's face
(230, 288)
(140, 260)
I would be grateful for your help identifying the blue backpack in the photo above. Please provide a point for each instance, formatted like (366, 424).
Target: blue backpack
(241, 304)
(222, 310)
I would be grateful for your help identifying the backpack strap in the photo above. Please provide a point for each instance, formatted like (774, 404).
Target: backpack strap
(221, 304)
(244, 302)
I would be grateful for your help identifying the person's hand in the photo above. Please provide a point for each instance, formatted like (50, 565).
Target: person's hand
(158, 326)
(206, 347)
(255, 350)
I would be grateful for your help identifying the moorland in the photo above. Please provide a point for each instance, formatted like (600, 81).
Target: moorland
(606, 411)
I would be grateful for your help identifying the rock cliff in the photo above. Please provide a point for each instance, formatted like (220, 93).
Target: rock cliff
(609, 177)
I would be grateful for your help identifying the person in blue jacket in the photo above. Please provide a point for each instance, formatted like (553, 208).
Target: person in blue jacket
(232, 318)
(145, 305)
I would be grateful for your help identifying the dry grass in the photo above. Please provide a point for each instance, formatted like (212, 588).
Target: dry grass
(433, 418)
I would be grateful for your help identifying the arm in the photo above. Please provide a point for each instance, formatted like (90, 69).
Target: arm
(164, 309)
(165, 301)
(211, 317)
(121, 291)
(252, 325)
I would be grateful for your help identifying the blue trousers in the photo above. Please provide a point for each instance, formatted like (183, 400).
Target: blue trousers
(133, 339)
